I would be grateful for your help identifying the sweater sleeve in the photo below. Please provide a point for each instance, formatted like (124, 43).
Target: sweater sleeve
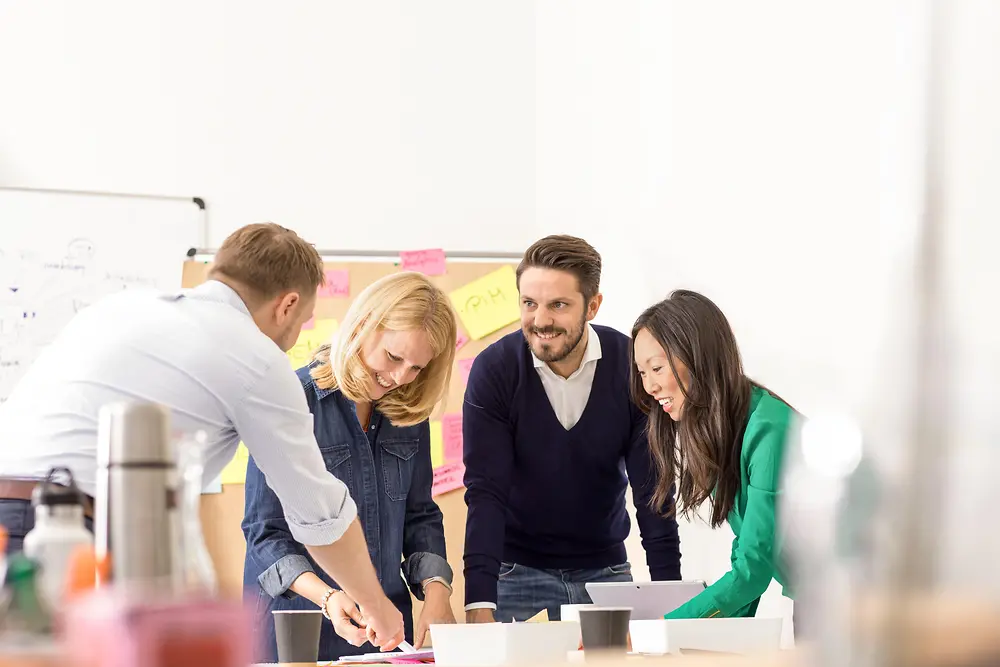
(488, 455)
(659, 535)
(754, 546)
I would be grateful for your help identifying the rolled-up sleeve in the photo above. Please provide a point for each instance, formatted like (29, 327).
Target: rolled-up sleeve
(423, 529)
(275, 424)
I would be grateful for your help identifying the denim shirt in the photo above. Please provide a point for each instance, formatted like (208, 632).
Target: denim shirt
(388, 472)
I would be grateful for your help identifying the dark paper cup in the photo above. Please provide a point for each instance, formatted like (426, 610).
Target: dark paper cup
(297, 634)
(605, 628)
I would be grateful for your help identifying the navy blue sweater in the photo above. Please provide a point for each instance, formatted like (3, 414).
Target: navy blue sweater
(545, 497)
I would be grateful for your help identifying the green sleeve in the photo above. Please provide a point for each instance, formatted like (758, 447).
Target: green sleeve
(754, 546)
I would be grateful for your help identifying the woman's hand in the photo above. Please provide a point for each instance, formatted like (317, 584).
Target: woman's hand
(436, 610)
(348, 622)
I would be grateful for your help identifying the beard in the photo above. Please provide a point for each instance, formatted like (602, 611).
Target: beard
(558, 349)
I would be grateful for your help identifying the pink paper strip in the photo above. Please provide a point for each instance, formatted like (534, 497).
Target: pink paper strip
(461, 340)
(448, 478)
(451, 436)
(429, 262)
(465, 367)
(338, 284)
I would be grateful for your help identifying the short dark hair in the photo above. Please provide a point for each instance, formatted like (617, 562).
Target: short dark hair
(565, 253)
(269, 259)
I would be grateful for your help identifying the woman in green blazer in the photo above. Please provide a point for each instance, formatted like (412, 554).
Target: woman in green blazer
(719, 436)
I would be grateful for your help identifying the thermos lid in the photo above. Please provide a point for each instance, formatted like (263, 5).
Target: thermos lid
(50, 493)
(133, 434)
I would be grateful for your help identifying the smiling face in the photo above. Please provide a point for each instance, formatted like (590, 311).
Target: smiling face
(554, 313)
(658, 379)
(394, 358)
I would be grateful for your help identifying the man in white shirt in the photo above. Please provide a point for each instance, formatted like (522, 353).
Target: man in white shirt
(214, 355)
(551, 441)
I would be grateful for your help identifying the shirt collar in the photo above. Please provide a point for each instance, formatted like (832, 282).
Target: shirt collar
(219, 292)
(593, 352)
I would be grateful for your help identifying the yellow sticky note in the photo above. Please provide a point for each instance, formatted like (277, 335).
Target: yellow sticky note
(309, 340)
(488, 303)
(437, 444)
(235, 471)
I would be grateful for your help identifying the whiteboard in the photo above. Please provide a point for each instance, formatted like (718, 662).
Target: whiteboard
(60, 251)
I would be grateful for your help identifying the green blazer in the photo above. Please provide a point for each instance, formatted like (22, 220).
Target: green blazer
(756, 555)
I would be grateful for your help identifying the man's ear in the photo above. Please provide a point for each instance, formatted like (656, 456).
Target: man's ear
(285, 307)
(594, 305)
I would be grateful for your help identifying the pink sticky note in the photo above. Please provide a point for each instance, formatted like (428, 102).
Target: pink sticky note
(310, 323)
(338, 284)
(465, 367)
(451, 436)
(461, 340)
(448, 478)
(430, 262)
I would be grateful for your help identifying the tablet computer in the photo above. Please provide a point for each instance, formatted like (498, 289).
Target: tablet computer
(649, 599)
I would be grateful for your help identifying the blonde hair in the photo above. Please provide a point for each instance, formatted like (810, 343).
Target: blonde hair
(405, 301)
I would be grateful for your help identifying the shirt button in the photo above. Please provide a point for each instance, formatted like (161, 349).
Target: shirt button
(372, 427)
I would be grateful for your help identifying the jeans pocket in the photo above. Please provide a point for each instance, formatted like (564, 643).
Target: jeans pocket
(506, 569)
(620, 569)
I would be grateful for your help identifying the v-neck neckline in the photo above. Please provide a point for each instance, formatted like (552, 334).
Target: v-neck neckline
(598, 376)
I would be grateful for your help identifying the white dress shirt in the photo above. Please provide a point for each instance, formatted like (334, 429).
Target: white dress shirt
(567, 396)
(199, 353)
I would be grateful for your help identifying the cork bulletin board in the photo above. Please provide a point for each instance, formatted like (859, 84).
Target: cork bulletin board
(483, 292)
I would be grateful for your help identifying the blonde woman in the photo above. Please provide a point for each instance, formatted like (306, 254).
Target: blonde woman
(371, 393)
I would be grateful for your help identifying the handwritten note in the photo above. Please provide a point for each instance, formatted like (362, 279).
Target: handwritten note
(461, 340)
(338, 284)
(488, 303)
(235, 471)
(448, 478)
(430, 262)
(309, 341)
(451, 434)
(437, 444)
(465, 367)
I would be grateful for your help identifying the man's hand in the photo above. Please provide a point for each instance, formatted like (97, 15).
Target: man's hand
(479, 616)
(385, 625)
(437, 609)
(348, 622)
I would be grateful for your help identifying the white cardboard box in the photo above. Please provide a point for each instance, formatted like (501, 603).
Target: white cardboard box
(727, 635)
(488, 644)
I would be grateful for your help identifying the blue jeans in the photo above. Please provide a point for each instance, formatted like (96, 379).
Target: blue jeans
(524, 591)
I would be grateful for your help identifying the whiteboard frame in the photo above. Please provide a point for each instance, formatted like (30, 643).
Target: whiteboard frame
(197, 201)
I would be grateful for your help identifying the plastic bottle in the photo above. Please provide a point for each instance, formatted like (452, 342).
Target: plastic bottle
(59, 531)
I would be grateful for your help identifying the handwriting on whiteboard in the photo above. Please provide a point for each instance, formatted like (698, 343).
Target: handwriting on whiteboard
(38, 295)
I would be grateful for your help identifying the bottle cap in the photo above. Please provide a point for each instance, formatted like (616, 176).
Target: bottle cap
(51, 493)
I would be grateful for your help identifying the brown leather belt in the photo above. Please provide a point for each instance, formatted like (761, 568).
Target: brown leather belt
(21, 489)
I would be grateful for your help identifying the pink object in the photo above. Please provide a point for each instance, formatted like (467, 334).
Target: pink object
(451, 436)
(448, 478)
(429, 262)
(461, 340)
(465, 367)
(338, 284)
(113, 628)
(310, 323)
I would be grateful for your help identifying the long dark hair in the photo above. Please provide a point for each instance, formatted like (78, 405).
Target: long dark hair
(702, 451)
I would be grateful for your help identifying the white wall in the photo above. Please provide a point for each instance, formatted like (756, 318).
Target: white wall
(763, 153)
(361, 124)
